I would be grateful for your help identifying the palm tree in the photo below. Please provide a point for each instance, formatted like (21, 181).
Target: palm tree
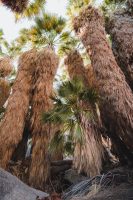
(75, 110)
(43, 35)
(47, 63)
(117, 104)
(13, 122)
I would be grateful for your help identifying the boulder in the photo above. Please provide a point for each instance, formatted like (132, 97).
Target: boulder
(11, 188)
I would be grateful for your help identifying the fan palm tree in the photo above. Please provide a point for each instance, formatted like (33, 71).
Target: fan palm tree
(47, 64)
(13, 122)
(117, 104)
(75, 110)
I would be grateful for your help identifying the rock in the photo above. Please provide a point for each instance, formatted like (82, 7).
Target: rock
(11, 188)
(73, 177)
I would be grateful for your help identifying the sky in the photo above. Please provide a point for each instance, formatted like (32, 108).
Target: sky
(11, 29)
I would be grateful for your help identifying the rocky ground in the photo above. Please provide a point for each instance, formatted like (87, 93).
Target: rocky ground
(66, 184)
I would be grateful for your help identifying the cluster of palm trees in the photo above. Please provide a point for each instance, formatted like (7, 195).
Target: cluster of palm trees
(93, 104)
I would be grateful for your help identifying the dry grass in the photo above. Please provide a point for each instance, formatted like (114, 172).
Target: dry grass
(5, 66)
(16, 5)
(4, 91)
(47, 63)
(12, 125)
(117, 104)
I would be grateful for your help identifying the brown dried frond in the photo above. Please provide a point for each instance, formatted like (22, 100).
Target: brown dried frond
(4, 91)
(47, 63)
(16, 5)
(5, 66)
(117, 104)
(12, 125)
(75, 67)
(120, 27)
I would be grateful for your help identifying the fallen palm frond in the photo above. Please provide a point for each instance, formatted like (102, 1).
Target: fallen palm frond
(5, 66)
(4, 91)
(16, 5)
(88, 188)
(117, 98)
(13, 122)
(47, 63)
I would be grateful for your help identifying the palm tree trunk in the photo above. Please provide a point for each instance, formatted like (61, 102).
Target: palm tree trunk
(120, 27)
(89, 155)
(12, 125)
(47, 64)
(117, 97)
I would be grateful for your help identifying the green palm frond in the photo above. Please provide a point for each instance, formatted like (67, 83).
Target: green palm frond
(32, 10)
(50, 22)
(45, 32)
(71, 88)
(67, 43)
(68, 111)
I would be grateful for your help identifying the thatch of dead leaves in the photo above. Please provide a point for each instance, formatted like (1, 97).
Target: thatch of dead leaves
(87, 157)
(47, 63)
(120, 27)
(4, 91)
(16, 5)
(12, 125)
(117, 106)
(5, 66)
(75, 67)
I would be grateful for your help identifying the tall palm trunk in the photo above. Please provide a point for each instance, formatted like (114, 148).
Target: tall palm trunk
(12, 125)
(117, 97)
(47, 63)
(89, 155)
(120, 27)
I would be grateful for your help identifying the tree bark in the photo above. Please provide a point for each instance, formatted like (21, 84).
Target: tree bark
(117, 98)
